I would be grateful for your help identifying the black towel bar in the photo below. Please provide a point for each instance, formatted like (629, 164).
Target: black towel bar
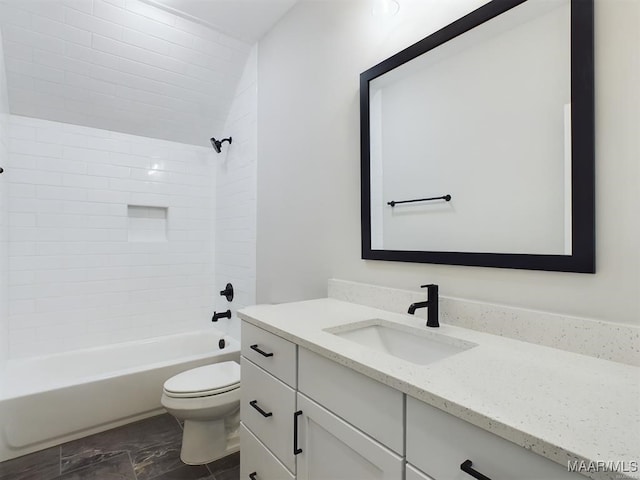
(393, 203)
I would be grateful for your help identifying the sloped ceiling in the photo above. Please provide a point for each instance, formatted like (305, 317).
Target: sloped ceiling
(122, 65)
(246, 20)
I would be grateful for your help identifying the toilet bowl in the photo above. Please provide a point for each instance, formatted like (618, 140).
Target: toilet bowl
(208, 400)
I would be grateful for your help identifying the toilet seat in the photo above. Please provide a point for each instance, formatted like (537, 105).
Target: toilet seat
(204, 381)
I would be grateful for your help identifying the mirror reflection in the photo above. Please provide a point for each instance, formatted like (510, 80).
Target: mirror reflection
(470, 143)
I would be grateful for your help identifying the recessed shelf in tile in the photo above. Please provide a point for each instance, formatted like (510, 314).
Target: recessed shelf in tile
(147, 224)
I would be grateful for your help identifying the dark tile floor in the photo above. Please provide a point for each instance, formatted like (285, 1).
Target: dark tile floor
(144, 450)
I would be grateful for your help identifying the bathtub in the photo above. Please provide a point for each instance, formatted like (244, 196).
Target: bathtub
(45, 401)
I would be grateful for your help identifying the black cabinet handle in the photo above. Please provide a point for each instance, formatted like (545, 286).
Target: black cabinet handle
(264, 354)
(466, 468)
(296, 450)
(254, 404)
(252, 475)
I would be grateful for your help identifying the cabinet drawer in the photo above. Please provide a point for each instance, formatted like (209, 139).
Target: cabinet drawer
(274, 425)
(374, 408)
(257, 458)
(413, 474)
(275, 354)
(438, 443)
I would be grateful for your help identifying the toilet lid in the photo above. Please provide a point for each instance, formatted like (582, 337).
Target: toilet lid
(207, 380)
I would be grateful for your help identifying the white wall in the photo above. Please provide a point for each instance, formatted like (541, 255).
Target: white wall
(309, 178)
(4, 252)
(75, 278)
(235, 227)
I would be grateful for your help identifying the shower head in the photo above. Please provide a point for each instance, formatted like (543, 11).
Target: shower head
(217, 144)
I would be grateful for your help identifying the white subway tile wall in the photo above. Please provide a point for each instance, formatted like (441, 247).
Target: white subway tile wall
(75, 279)
(121, 66)
(4, 213)
(236, 185)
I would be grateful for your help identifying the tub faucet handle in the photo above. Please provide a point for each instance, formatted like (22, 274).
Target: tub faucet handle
(227, 292)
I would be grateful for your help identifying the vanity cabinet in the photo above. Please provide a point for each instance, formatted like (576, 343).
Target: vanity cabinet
(305, 416)
(267, 403)
(296, 400)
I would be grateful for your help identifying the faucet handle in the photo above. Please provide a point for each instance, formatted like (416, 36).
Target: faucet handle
(432, 290)
(227, 292)
(432, 303)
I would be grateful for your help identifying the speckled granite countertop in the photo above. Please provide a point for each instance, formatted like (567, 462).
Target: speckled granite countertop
(561, 405)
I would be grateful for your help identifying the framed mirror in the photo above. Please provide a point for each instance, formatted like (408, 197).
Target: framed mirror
(477, 142)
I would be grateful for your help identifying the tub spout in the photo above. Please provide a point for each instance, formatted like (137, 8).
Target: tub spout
(217, 316)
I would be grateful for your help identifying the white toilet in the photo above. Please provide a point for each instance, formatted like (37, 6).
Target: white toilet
(208, 400)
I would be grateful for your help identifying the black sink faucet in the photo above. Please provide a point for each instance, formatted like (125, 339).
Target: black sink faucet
(431, 304)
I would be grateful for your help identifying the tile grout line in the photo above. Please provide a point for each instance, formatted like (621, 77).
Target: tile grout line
(133, 468)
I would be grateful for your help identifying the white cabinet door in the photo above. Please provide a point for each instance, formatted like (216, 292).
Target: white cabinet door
(331, 449)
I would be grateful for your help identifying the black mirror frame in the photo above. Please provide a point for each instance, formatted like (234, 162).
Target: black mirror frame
(582, 259)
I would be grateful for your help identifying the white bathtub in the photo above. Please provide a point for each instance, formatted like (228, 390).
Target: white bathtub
(49, 400)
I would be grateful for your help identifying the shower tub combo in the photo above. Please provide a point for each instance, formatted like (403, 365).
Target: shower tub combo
(45, 401)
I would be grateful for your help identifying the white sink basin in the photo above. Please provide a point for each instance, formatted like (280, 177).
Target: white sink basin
(408, 343)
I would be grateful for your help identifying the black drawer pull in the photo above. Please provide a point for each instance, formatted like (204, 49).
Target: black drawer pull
(296, 450)
(264, 354)
(254, 404)
(466, 468)
(252, 475)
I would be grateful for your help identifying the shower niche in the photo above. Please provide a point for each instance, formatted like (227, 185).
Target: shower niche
(147, 224)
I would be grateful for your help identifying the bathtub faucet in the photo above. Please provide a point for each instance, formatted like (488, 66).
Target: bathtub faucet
(227, 292)
(217, 316)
